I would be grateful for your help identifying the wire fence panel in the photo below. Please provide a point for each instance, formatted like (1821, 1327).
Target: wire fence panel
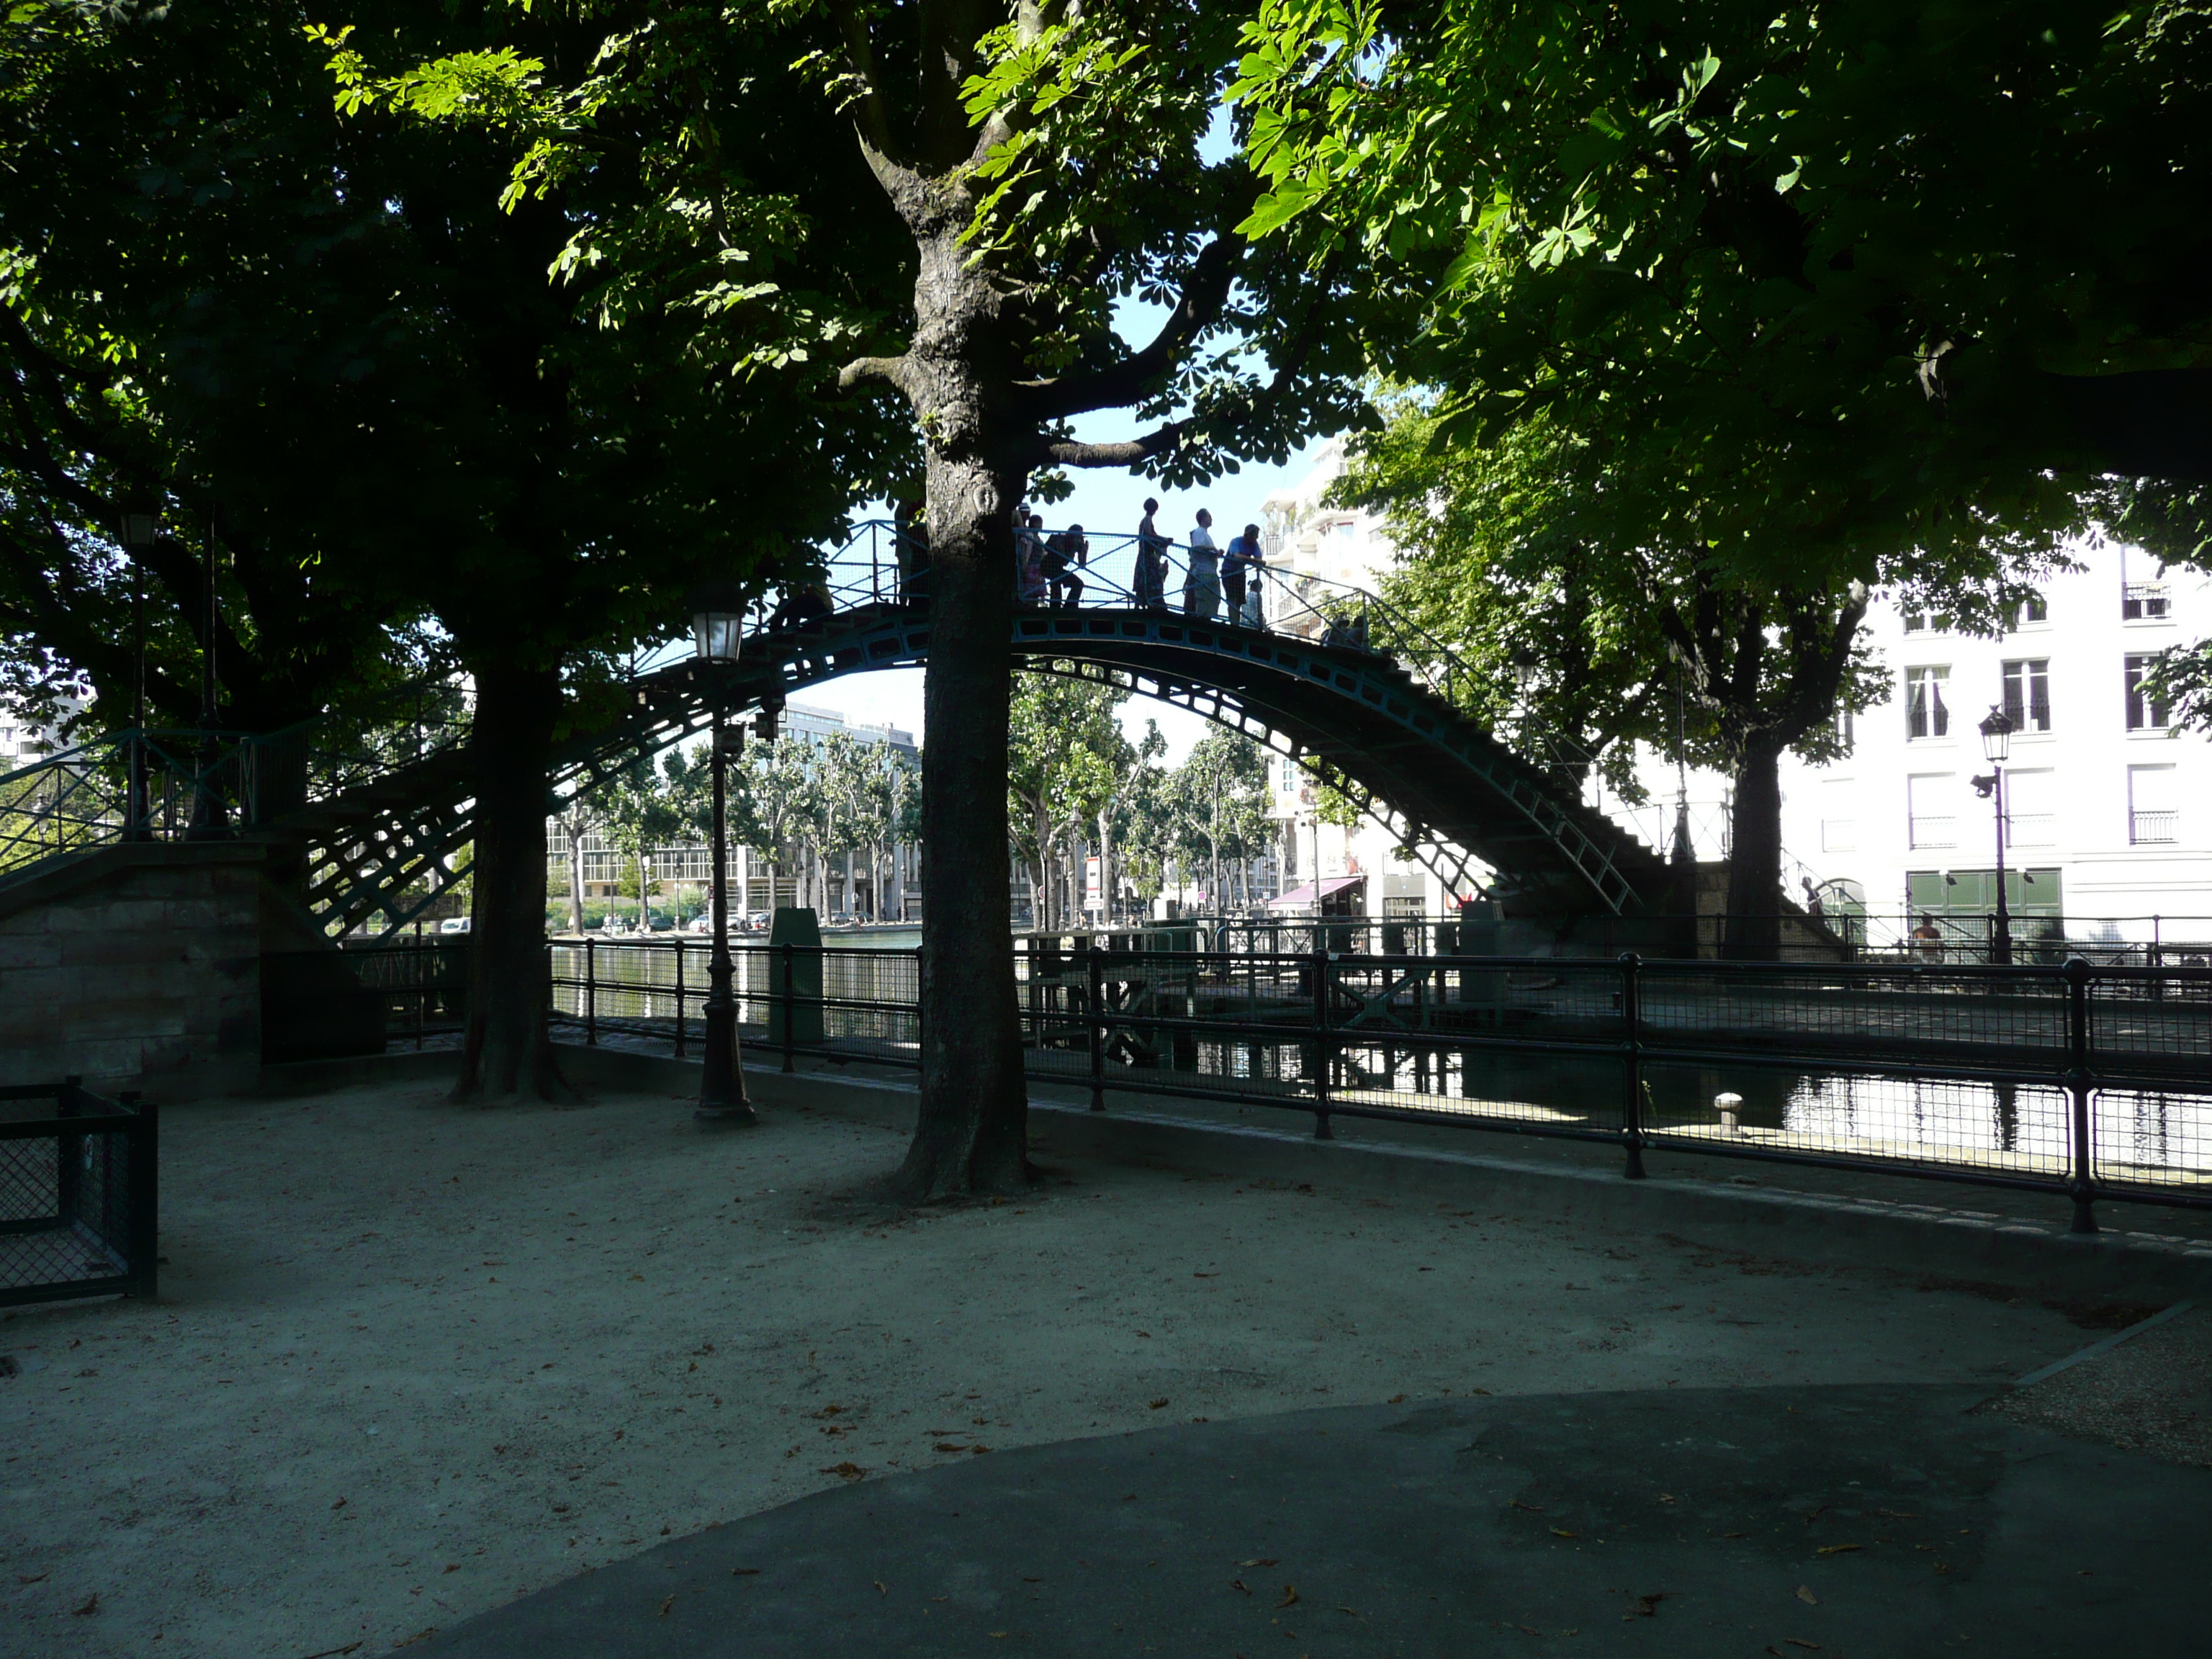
(78, 1195)
(2019, 1129)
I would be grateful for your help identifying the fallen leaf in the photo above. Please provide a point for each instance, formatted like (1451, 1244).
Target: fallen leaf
(340, 1504)
(1238, 1583)
(1838, 1549)
(1807, 1597)
(1800, 1641)
(338, 1653)
(1647, 1606)
(1290, 1597)
(1533, 1509)
(1157, 1404)
(998, 1634)
(1257, 1560)
(1561, 1532)
(1206, 1275)
(850, 1471)
(744, 1572)
(422, 1635)
(451, 1566)
(880, 1590)
(664, 1606)
(946, 1446)
(1396, 1399)
(91, 1605)
(1027, 1580)
(979, 1450)
(1143, 1332)
(39, 1578)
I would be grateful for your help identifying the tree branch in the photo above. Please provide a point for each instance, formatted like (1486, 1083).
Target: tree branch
(1197, 308)
(1133, 452)
(892, 369)
(874, 116)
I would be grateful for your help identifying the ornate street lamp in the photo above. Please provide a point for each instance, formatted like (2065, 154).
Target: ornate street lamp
(1996, 743)
(718, 622)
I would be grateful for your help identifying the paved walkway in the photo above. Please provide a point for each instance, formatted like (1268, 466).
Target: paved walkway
(1843, 1521)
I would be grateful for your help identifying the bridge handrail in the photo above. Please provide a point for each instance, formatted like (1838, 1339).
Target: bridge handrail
(195, 781)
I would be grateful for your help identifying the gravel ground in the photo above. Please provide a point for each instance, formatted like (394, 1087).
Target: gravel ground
(2152, 1393)
(412, 1360)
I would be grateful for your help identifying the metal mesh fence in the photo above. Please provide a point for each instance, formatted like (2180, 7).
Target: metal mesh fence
(2004, 1128)
(77, 1192)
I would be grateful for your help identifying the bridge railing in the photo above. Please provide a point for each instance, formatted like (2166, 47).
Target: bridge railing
(2086, 1081)
(185, 783)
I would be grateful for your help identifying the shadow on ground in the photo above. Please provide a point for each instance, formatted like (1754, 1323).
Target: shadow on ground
(1792, 1520)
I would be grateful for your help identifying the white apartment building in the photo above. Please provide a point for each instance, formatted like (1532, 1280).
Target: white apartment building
(2108, 809)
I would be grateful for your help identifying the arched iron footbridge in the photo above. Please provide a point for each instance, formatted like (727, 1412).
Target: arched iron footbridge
(1314, 669)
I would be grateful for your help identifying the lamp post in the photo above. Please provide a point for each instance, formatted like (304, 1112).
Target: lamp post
(139, 526)
(717, 621)
(1996, 743)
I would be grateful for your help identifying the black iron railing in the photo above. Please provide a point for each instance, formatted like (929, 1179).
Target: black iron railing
(2089, 1081)
(79, 1193)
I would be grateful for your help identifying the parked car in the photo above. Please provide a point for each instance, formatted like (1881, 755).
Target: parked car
(454, 925)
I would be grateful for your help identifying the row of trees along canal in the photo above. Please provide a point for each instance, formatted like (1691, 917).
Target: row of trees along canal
(468, 337)
(828, 814)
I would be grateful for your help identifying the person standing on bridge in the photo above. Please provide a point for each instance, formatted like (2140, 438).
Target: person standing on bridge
(1063, 554)
(1150, 582)
(1240, 577)
(1201, 583)
(1029, 559)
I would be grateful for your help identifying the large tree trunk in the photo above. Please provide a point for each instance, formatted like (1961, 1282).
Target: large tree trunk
(507, 1052)
(1106, 867)
(972, 1131)
(1755, 895)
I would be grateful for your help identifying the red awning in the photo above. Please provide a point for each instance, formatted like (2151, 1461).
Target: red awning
(1304, 895)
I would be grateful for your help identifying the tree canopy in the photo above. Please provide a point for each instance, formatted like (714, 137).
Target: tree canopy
(1860, 273)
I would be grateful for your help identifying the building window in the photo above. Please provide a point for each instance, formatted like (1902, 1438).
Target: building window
(2034, 609)
(1915, 622)
(2143, 602)
(2153, 809)
(1931, 822)
(1927, 714)
(1846, 729)
(2144, 715)
(2031, 808)
(2027, 695)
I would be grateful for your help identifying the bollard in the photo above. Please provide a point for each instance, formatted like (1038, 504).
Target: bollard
(1631, 1010)
(1727, 1105)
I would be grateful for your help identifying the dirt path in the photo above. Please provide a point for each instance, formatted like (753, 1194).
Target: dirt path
(413, 1360)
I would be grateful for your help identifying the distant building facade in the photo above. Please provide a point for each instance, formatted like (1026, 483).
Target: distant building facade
(2108, 806)
(756, 882)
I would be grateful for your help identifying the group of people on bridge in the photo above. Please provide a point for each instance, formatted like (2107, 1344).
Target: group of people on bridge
(1218, 581)
(1053, 570)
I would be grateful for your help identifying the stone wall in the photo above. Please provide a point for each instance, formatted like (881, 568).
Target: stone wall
(135, 968)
